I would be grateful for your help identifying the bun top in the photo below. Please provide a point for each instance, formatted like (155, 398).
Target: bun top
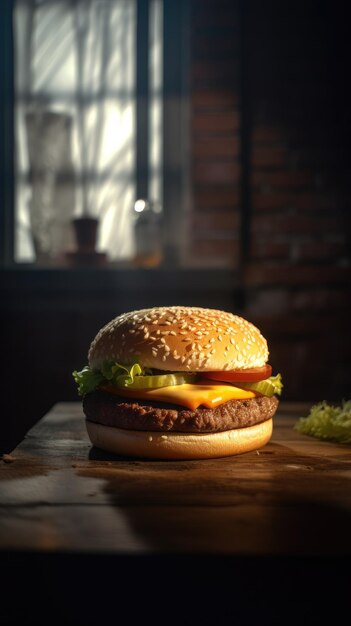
(180, 338)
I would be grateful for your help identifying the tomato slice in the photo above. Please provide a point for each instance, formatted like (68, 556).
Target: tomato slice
(251, 374)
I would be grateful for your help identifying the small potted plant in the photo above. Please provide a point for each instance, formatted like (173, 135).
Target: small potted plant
(85, 231)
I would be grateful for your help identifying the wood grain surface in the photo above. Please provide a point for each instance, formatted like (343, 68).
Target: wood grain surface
(58, 494)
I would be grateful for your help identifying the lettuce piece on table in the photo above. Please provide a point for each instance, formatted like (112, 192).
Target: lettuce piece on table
(327, 422)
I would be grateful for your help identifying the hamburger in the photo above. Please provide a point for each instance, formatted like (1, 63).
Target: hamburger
(178, 383)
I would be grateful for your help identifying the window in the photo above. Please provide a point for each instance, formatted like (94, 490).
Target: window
(88, 118)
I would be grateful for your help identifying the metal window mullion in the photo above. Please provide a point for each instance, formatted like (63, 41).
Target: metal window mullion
(176, 39)
(142, 99)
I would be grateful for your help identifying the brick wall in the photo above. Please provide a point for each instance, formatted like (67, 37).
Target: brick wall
(296, 273)
(298, 267)
(299, 151)
(215, 126)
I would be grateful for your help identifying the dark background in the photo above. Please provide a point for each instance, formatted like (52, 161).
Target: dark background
(270, 186)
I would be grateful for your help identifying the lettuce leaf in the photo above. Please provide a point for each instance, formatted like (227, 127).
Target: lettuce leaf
(327, 422)
(121, 375)
(87, 380)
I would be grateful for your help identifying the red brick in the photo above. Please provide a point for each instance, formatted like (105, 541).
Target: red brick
(268, 134)
(216, 221)
(313, 200)
(281, 300)
(214, 253)
(268, 250)
(268, 201)
(267, 301)
(213, 147)
(217, 71)
(320, 299)
(282, 180)
(294, 224)
(216, 197)
(216, 100)
(216, 122)
(268, 157)
(321, 250)
(225, 173)
(260, 274)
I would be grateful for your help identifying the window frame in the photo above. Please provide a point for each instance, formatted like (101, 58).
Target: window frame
(7, 180)
(175, 178)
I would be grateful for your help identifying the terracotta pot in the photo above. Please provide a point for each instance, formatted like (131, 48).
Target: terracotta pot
(85, 230)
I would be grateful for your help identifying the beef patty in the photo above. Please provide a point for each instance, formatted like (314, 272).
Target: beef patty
(110, 410)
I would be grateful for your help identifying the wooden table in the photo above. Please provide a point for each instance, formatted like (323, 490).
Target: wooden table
(289, 502)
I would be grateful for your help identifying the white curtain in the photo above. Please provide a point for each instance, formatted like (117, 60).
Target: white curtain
(75, 123)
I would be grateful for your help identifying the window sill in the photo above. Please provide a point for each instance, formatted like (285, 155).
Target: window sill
(124, 289)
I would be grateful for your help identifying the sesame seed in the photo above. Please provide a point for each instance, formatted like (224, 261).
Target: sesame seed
(147, 335)
(163, 341)
(164, 357)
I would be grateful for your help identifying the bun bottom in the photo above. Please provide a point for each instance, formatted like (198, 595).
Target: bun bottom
(163, 445)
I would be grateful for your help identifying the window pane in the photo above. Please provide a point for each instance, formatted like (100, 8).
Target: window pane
(155, 108)
(75, 122)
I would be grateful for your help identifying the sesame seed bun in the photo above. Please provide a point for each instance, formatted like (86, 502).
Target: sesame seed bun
(157, 445)
(180, 338)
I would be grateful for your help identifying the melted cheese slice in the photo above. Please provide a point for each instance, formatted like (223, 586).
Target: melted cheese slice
(188, 395)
